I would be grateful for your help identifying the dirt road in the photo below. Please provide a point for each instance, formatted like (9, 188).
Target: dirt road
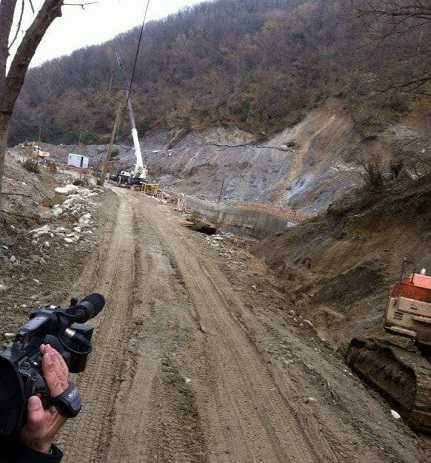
(185, 371)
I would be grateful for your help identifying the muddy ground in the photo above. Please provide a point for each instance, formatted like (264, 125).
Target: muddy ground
(199, 358)
(200, 354)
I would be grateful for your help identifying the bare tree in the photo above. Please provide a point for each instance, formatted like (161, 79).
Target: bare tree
(408, 22)
(12, 80)
(398, 11)
(372, 171)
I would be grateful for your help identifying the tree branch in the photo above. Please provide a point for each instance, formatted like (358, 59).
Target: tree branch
(7, 11)
(396, 10)
(82, 5)
(416, 83)
(50, 10)
(15, 194)
(18, 27)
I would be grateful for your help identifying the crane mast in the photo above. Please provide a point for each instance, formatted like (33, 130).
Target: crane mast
(139, 166)
(140, 171)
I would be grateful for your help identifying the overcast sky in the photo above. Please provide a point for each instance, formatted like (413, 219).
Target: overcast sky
(99, 23)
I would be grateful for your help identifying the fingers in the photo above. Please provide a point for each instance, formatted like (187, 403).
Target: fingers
(41, 427)
(35, 412)
(55, 371)
(54, 360)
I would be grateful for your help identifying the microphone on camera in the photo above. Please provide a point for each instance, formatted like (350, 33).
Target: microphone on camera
(88, 308)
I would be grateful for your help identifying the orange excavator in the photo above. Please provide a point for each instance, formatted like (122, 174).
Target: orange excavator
(398, 363)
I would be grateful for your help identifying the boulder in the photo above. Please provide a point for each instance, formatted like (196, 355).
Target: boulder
(67, 190)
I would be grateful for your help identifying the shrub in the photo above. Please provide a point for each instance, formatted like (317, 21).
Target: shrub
(373, 173)
(31, 165)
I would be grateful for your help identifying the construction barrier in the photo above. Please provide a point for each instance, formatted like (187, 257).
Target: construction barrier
(151, 189)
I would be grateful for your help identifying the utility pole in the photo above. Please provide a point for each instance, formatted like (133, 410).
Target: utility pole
(40, 131)
(111, 143)
(111, 80)
(221, 192)
(218, 203)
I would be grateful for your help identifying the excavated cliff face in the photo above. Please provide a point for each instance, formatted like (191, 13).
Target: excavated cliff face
(300, 171)
(304, 168)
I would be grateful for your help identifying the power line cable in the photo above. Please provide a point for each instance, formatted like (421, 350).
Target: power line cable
(138, 49)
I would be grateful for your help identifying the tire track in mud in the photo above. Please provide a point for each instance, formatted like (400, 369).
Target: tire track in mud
(177, 376)
(314, 445)
(87, 437)
(238, 393)
(251, 411)
(155, 414)
(309, 429)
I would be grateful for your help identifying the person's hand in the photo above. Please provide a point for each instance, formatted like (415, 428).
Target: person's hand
(43, 425)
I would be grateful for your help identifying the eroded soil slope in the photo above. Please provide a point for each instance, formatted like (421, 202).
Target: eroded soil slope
(337, 268)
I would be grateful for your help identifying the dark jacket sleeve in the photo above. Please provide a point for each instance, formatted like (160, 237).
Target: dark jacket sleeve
(27, 455)
(15, 452)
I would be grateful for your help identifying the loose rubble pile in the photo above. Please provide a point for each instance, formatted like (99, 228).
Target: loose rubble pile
(230, 246)
(219, 242)
(216, 240)
(31, 252)
(77, 209)
(234, 251)
(48, 228)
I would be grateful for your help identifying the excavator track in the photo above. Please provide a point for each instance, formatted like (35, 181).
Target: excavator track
(400, 373)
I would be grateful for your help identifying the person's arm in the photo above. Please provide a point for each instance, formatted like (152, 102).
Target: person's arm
(43, 425)
(26, 454)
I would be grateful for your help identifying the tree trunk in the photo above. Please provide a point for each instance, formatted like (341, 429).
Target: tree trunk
(11, 84)
(4, 126)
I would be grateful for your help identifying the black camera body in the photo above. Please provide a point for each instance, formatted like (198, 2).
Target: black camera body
(20, 364)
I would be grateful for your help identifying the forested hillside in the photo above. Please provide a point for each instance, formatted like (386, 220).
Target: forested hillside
(256, 64)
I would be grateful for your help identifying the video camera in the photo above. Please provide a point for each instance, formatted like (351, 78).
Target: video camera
(20, 364)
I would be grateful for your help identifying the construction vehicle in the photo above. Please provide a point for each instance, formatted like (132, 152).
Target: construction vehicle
(138, 175)
(151, 189)
(129, 178)
(398, 363)
(37, 152)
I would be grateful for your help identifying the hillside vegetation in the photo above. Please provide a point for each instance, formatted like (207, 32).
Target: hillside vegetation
(256, 64)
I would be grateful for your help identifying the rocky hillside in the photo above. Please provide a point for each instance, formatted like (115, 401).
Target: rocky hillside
(245, 101)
